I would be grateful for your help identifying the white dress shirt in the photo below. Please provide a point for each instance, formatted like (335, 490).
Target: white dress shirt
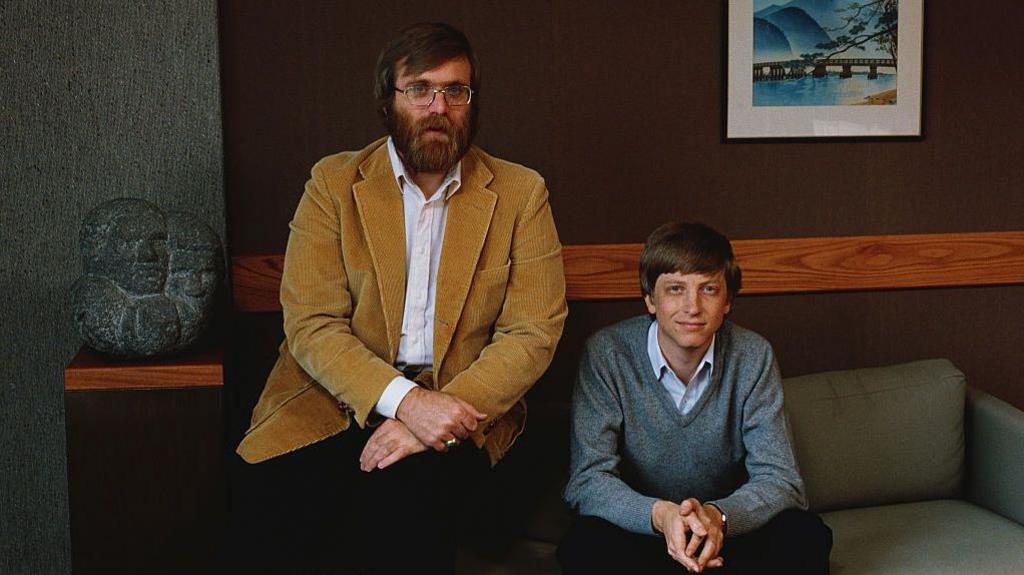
(424, 236)
(683, 396)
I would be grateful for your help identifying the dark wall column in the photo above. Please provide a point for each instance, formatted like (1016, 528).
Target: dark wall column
(98, 100)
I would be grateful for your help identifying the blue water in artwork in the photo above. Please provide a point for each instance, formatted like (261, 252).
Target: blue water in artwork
(828, 91)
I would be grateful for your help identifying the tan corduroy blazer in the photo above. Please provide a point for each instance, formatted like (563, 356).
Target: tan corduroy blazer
(498, 316)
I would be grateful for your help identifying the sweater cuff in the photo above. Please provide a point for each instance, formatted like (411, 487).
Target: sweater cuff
(740, 522)
(637, 518)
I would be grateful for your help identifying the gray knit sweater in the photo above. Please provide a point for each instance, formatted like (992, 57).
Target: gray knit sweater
(630, 445)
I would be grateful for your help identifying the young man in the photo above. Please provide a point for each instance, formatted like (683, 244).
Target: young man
(680, 453)
(423, 295)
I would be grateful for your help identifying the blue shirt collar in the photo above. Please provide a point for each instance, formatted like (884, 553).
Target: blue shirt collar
(658, 363)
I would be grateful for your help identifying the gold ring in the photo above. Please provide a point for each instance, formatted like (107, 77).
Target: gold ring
(451, 443)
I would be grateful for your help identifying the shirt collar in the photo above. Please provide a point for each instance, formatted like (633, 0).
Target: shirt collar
(658, 363)
(452, 181)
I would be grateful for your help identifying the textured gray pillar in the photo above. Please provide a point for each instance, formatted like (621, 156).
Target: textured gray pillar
(97, 100)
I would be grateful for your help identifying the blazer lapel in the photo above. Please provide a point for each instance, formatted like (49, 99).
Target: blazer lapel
(469, 217)
(379, 202)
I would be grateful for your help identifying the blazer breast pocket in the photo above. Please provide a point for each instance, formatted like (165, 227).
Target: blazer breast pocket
(487, 292)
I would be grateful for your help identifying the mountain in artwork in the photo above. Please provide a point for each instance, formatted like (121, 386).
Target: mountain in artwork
(829, 15)
(770, 42)
(803, 32)
(824, 12)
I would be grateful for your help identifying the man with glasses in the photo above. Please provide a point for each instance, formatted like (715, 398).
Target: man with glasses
(423, 295)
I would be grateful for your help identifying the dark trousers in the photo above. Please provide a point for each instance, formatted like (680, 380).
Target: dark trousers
(315, 511)
(794, 542)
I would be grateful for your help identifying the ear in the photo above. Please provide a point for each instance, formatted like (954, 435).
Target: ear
(728, 307)
(649, 300)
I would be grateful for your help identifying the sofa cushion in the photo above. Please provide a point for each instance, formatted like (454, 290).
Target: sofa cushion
(881, 435)
(944, 536)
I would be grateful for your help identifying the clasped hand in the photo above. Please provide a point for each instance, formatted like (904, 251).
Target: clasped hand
(391, 442)
(686, 526)
(435, 417)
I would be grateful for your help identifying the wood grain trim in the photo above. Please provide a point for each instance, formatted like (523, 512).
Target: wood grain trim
(770, 266)
(89, 371)
(256, 282)
(812, 265)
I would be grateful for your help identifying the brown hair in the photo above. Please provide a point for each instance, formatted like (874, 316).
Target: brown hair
(419, 48)
(688, 247)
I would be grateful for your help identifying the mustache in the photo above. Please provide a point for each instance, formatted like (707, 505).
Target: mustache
(435, 123)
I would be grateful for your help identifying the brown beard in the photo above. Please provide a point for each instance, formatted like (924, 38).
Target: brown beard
(428, 156)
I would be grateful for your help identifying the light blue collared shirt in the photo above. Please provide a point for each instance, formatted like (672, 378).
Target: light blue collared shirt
(683, 396)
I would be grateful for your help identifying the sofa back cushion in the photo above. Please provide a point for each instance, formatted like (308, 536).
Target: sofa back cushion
(880, 435)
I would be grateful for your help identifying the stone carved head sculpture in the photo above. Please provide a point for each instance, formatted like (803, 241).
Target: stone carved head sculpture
(125, 241)
(194, 271)
(149, 281)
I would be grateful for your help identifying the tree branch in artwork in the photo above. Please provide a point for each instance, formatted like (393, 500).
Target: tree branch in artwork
(879, 15)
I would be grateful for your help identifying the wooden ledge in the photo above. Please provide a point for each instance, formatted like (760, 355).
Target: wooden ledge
(770, 266)
(815, 265)
(92, 371)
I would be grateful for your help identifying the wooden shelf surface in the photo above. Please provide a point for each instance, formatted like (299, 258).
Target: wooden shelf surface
(90, 370)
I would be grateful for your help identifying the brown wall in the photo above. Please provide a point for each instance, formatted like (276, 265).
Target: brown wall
(618, 105)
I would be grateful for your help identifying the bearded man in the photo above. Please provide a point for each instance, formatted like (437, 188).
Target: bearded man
(423, 294)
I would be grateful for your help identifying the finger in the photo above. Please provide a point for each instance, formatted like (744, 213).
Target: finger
(436, 442)
(688, 562)
(368, 450)
(470, 409)
(371, 463)
(449, 446)
(675, 553)
(372, 457)
(459, 431)
(695, 524)
(716, 562)
(394, 457)
(693, 545)
(677, 535)
(709, 552)
(686, 507)
(707, 517)
(385, 445)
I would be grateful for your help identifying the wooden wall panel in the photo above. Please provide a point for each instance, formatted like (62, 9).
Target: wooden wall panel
(772, 266)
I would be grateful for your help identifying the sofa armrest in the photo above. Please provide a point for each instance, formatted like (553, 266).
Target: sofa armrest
(995, 455)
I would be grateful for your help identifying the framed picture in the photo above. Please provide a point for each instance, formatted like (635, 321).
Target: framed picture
(823, 68)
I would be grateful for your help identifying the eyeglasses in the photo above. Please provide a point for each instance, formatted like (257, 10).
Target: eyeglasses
(422, 96)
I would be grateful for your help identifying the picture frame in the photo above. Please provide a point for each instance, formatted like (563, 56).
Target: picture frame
(823, 69)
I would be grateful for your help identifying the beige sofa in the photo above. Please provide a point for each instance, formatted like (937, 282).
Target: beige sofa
(913, 471)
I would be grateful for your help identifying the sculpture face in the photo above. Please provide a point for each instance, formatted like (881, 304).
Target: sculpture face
(193, 274)
(150, 279)
(125, 241)
(137, 250)
(195, 261)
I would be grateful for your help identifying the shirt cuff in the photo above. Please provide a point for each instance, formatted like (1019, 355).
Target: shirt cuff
(393, 395)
